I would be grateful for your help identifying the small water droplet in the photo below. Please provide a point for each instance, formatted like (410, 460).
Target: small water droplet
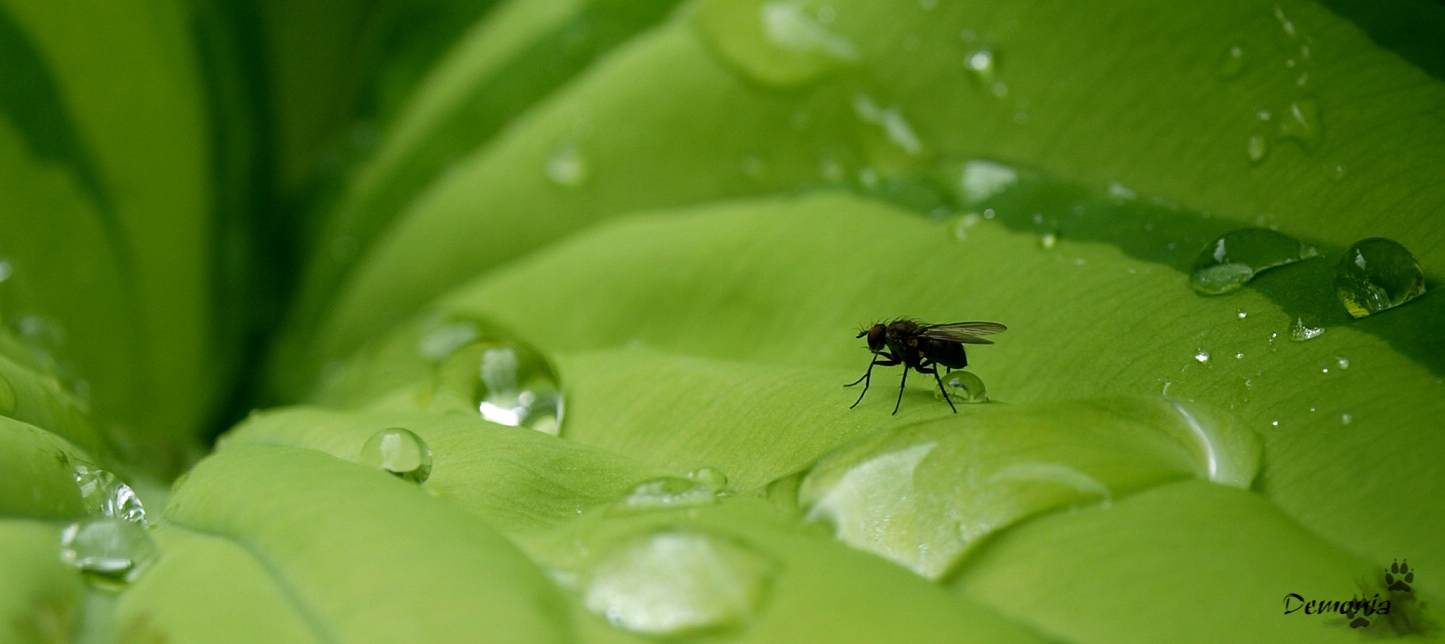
(1337, 173)
(891, 120)
(980, 180)
(110, 552)
(773, 43)
(1202, 356)
(1048, 240)
(1121, 193)
(1299, 331)
(980, 63)
(1346, 419)
(5, 270)
(964, 387)
(107, 496)
(1343, 362)
(1285, 23)
(567, 167)
(1375, 275)
(1232, 260)
(669, 492)
(400, 452)
(1257, 148)
(1239, 355)
(1301, 122)
(1274, 423)
(1325, 370)
(678, 581)
(1231, 64)
(1242, 314)
(713, 478)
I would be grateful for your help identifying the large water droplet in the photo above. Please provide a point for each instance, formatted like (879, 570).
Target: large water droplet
(567, 167)
(669, 492)
(965, 387)
(924, 495)
(891, 120)
(1301, 122)
(109, 551)
(713, 478)
(773, 43)
(400, 452)
(507, 381)
(1229, 262)
(1377, 274)
(678, 581)
(107, 496)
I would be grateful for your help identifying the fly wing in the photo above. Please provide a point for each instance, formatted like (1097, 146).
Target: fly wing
(965, 332)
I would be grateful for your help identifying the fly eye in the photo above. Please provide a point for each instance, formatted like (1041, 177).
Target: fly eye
(877, 338)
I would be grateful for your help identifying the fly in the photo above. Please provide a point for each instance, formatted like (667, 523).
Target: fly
(922, 348)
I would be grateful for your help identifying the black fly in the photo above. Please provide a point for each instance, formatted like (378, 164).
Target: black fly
(921, 347)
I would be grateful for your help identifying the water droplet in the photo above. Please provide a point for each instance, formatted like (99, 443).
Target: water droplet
(1285, 23)
(1231, 261)
(1274, 423)
(567, 167)
(1257, 148)
(1232, 63)
(1202, 356)
(1048, 240)
(107, 496)
(891, 120)
(1243, 315)
(400, 452)
(980, 180)
(1346, 419)
(6, 270)
(1301, 122)
(508, 381)
(1325, 370)
(773, 43)
(1377, 274)
(1343, 362)
(110, 552)
(7, 396)
(669, 492)
(713, 478)
(964, 387)
(678, 581)
(1239, 355)
(1299, 331)
(980, 64)
(1121, 193)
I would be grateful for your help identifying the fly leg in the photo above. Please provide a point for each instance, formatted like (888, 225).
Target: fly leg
(901, 382)
(934, 370)
(867, 375)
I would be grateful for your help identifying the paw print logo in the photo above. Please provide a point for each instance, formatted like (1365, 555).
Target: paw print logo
(1400, 576)
(1356, 614)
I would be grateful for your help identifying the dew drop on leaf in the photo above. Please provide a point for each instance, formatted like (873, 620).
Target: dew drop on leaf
(507, 381)
(1377, 274)
(678, 581)
(778, 44)
(1233, 259)
(1299, 331)
(567, 167)
(109, 551)
(713, 478)
(1301, 122)
(400, 452)
(107, 496)
(1231, 64)
(965, 387)
(669, 492)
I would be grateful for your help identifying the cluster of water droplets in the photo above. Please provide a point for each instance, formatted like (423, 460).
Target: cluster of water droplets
(1299, 119)
(112, 547)
(508, 382)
